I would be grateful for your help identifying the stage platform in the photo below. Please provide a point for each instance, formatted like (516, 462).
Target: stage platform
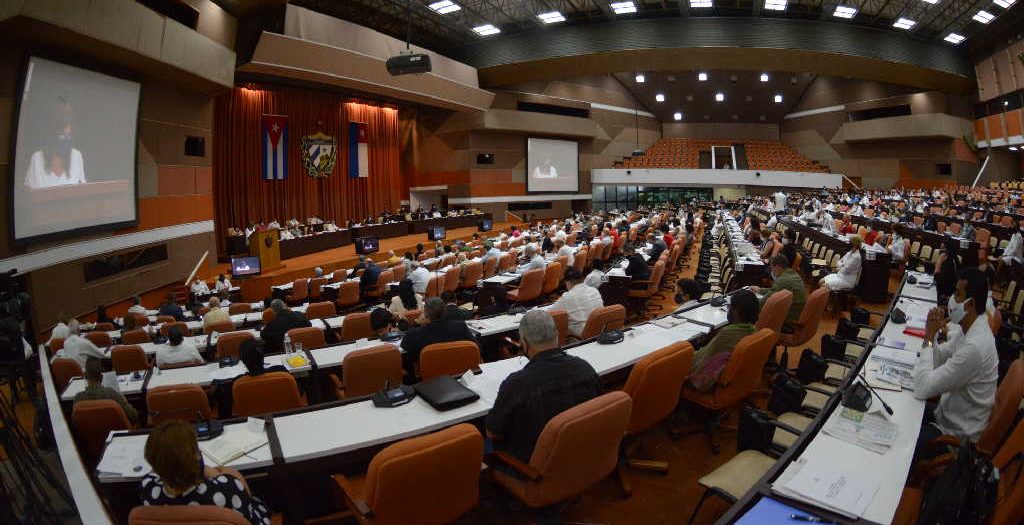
(257, 288)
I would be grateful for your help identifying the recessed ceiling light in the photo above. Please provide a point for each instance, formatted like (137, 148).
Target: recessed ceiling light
(689, 98)
(778, 99)
(623, 8)
(677, 115)
(954, 38)
(701, 3)
(660, 97)
(486, 30)
(702, 76)
(1006, 102)
(843, 11)
(445, 6)
(719, 97)
(933, 2)
(764, 77)
(733, 78)
(551, 17)
(904, 23)
(1005, 4)
(775, 5)
(983, 16)
(640, 78)
(671, 78)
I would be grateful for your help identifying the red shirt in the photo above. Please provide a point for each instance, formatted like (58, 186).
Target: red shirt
(669, 239)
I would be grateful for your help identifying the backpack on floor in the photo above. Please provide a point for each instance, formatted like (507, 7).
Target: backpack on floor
(964, 494)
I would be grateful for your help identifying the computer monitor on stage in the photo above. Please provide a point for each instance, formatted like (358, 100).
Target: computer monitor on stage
(485, 225)
(435, 233)
(367, 245)
(243, 266)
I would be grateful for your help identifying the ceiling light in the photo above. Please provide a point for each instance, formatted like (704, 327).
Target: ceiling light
(551, 17)
(954, 38)
(703, 77)
(1005, 4)
(677, 115)
(660, 97)
(764, 77)
(778, 99)
(701, 3)
(933, 2)
(486, 30)
(1012, 148)
(1006, 103)
(640, 78)
(904, 23)
(775, 5)
(843, 11)
(720, 97)
(445, 6)
(983, 16)
(689, 98)
(623, 8)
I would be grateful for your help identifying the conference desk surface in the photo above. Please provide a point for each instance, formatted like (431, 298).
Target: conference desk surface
(382, 231)
(890, 469)
(316, 242)
(460, 221)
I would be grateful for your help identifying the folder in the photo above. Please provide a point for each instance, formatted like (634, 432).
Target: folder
(768, 511)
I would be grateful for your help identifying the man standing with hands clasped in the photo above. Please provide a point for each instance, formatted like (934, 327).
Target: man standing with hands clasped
(963, 370)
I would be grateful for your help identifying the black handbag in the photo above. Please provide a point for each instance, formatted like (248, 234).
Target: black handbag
(445, 393)
(811, 368)
(832, 347)
(610, 337)
(787, 395)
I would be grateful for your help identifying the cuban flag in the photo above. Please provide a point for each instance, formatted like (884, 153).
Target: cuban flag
(358, 150)
(275, 147)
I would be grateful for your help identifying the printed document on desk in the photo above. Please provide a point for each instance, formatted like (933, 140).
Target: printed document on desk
(235, 442)
(123, 458)
(867, 430)
(824, 484)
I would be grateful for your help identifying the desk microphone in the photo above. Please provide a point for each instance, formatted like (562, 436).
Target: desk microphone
(864, 382)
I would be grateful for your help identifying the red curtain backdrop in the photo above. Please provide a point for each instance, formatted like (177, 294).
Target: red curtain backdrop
(242, 196)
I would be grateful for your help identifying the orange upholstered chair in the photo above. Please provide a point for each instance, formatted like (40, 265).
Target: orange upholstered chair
(104, 327)
(93, 421)
(321, 310)
(419, 481)
(368, 370)
(806, 327)
(452, 358)
(56, 345)
(309, 337)
(161, 319)
(188, 515)
(434, 286)
(140, 319)
(552, 278)
(348, 295)
(641, 297)
(64, 370)
(378, 290)
(239, 308)
(184, 402)
(576, 449)
(100, 339)
(221, 327)
(398, 271)
(451, 279)
(507, 262)
(166, 327)
(268, 316)
(314, 287)
(490, 267)
(262, 394)
(135, 337)
(471, 275)
(300, 291)
(530, 286)
(741, 377)
(128, 358)
(561, 318)
(356, 326)
(654, 384)
(603, 319)
(229, 343)
(773, 313)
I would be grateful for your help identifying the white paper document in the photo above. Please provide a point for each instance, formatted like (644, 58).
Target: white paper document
(234, 443)
(866, 430)
(123, 458)
(824, 484)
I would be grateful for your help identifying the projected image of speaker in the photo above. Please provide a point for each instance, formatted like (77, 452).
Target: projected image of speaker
(436, 233)
(244, 266)
(484, 225)
(552, 165)
(367, 245)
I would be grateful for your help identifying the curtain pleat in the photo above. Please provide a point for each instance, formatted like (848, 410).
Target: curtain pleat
(242, 196)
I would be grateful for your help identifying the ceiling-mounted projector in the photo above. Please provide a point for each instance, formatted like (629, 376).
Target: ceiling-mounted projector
(407, 63)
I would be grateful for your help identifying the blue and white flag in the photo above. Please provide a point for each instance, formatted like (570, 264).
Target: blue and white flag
(358, 150)
(275, 147)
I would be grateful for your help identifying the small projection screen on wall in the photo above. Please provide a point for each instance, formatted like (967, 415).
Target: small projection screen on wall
(75, 151)
(552, 165)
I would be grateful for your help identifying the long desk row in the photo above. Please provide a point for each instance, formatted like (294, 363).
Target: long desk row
(887, 472)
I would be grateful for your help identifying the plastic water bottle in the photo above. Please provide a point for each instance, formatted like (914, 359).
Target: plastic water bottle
(287, 344)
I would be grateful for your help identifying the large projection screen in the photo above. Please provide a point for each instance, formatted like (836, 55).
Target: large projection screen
(552, 165)
(74, 167)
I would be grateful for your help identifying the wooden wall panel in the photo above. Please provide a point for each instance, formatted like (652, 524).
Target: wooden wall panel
(988, 87)
(1013, 122)
(980, 130)
(994, 124)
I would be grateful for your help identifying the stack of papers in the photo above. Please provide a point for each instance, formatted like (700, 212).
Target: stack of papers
(487, 383)
(228, 372)
(870, 431)
(826, 485)
(235, 442)
(894, 355)
(123, 458)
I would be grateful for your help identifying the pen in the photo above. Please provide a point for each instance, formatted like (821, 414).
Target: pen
(809, 519)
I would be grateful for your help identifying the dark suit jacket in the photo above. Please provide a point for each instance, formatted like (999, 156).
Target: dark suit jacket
(172, 310)
(275, 330)
(637, 268)
(656, 249)
(789, 250)
(419, 337)
(454, 313)
(369, 278)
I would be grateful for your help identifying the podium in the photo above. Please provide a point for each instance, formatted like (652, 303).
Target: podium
(267, 246)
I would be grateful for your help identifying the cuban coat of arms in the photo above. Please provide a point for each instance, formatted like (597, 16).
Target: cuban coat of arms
(319, 153)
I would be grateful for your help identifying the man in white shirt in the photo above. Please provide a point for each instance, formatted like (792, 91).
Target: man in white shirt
(420, 277)
(533, 260)
(1013, 253)
(848, 273)
(582, 298)
(216, 314)
(772, 222)
(136, 307)
(286, 235)
(223, 284)
(963, 371)
(561, 250)
(199, 287)
(899, 247)
(491, 253)
(330, 227)
(60, 330)
(58, 163)
(77, 347)
(177, 351)
(274, 225)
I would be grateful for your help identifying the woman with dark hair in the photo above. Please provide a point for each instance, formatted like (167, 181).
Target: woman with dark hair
(743, 311)
(181, 477)
(407, 298)
(101, 315)
(251, 353)
(946, 269)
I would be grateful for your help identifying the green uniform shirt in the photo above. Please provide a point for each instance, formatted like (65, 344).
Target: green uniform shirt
(789, 280)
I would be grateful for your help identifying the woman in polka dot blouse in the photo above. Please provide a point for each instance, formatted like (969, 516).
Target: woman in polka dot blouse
(180, 477)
